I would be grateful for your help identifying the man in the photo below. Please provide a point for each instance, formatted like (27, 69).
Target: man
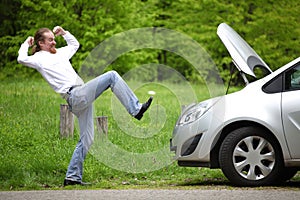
(55, 67)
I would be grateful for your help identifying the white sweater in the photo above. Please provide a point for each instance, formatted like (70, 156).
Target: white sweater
(55, 68)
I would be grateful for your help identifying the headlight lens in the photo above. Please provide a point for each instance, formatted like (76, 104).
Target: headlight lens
(194, 113)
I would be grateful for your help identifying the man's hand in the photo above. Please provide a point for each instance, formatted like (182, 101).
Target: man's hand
(30, 40)
(57, 30)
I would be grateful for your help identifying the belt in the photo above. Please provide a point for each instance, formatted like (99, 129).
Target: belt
(72, 87)
(68, 93)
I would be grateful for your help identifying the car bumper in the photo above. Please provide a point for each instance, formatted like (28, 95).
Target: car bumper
(193, 142)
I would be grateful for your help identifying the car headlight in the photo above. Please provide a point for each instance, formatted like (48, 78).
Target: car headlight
(194, 113)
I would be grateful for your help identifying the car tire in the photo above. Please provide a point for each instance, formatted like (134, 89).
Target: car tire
(288, 173)
(249, 156)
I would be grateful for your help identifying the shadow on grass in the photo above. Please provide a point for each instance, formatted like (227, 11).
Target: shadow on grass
(224, 183)
(291, 184)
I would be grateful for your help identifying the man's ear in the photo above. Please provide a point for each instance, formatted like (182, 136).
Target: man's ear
(40, 42)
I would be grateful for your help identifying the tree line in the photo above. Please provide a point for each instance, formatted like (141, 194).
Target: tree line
(271, 27)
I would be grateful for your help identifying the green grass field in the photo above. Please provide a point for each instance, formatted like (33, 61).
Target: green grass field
(134, 155)
(34, 156)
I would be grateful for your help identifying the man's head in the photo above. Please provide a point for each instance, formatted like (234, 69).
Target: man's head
(44, 40)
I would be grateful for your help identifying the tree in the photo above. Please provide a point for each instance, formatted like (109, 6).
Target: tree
(269, 26)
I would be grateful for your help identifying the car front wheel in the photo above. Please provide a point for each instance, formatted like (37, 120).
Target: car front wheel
(251, 157)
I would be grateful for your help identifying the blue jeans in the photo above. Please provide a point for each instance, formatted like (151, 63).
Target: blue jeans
(81, 104)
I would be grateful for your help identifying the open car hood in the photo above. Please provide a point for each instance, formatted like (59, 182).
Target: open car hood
(244, 57)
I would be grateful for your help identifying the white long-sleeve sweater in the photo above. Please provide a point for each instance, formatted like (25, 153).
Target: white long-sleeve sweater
(55, 68)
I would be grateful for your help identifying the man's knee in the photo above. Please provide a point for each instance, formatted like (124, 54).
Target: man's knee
(88, 141)
(115, 77)
(114, 74)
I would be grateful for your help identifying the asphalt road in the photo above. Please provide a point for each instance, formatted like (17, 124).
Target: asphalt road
(224, 194)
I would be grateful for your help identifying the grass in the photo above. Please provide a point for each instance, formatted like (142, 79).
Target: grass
(135, 153)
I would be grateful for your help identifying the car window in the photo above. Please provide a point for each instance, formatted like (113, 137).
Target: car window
(292, 78)
(274, 86)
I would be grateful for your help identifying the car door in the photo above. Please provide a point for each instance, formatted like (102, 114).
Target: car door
(291, 109)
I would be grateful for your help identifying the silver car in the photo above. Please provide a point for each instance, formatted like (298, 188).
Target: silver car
(253, 135)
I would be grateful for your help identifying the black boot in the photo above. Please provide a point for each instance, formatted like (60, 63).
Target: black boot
(71, 182)
(144, 108)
